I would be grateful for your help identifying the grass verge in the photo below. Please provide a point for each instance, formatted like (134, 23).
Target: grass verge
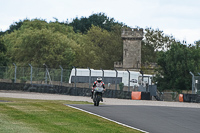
(47, 116)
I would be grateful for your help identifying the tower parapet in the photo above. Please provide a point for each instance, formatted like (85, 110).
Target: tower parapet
(132, 33)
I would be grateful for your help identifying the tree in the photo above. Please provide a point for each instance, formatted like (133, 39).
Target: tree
(175, 65)
(16, 25)
(84, 24)
(107, 46)
(34, 41)
(154, 41)
(38, 42)
(197, 43)
(3, 58)
(2, 33)
(99, 48)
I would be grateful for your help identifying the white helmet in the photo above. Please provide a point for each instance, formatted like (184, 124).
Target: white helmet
(99, 79)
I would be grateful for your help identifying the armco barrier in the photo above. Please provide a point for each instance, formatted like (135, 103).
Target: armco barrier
(145, 96)
(137, 95)
(194, 98)
(56, 89)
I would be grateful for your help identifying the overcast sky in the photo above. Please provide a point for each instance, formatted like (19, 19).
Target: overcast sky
(180, 18)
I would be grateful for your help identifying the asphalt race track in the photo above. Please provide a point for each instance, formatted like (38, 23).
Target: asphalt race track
(146, 115)
(153, 119)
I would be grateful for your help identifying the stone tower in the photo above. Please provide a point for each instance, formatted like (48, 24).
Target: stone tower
(132, 39)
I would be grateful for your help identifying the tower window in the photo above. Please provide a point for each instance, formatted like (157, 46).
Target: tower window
(125, 52)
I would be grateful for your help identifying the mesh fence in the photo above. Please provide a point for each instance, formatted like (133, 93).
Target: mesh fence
(197, 84)
(34, 75)
(51, 76)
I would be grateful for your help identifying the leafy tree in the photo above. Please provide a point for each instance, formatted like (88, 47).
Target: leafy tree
(15, 26)
(158, 39)
(3, 58)
(154, 41)
(38, 42)
(26, 37)
(175, 65)
(148, 53)
(107, 46)
(34, 24)
(2, 33)
(197, 43)
(84, 24)
(2, 46)
(85, 53)
(99, 48)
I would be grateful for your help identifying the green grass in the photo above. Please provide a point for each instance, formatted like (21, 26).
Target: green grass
(46, 116)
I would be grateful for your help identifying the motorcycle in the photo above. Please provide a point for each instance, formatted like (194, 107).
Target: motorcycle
(97, 95)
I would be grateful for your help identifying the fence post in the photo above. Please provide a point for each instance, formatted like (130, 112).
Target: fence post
(128, 80)
(89, 76)
(116, 79)
(192, 83)
(15, 72)
(45, 73)
(75, 77)
(142, 75)
(102, 74)
(61, 74)
(197, 90)
(31, 72)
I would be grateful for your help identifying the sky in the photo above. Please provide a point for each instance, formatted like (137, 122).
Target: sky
(179, 18)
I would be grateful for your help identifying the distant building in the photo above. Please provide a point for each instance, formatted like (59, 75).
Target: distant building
(132, 39)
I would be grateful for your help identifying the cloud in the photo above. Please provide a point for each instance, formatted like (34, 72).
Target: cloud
(188, 35)
(177, 17)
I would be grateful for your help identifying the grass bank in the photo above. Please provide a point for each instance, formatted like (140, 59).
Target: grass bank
(46, 116)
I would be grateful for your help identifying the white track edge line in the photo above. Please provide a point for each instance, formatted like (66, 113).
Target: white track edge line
(108, 119)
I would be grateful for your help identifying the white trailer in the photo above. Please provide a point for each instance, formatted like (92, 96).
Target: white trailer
(108, 75)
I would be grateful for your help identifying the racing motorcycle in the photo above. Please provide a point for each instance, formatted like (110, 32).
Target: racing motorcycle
(97, 95)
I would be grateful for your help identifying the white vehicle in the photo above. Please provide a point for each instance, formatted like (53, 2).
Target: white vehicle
(109, 76)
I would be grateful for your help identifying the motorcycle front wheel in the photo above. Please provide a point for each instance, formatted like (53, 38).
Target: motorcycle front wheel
(95, 99)
(98, 100)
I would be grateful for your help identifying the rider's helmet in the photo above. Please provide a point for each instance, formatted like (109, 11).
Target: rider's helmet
(99, 79)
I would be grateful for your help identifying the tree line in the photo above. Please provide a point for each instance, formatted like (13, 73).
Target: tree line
(96, 42)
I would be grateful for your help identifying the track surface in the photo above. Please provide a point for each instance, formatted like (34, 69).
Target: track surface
(151, 116)
(152, 119)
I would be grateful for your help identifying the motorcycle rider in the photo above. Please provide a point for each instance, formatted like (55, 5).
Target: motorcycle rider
(98, 83)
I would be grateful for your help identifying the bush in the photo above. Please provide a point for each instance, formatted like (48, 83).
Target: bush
(23, 80)
(121, 86)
